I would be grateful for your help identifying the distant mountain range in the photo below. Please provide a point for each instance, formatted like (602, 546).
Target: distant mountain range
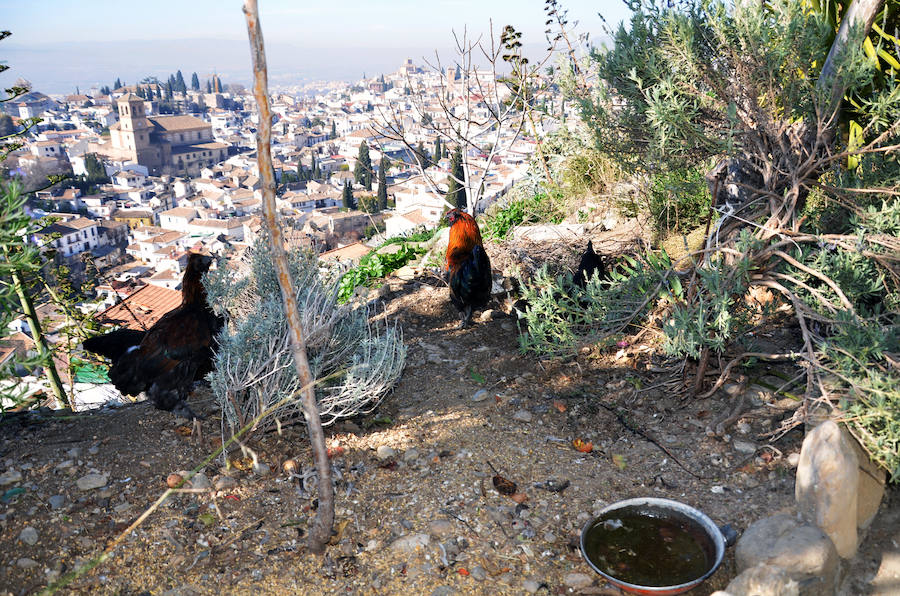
(59, 67)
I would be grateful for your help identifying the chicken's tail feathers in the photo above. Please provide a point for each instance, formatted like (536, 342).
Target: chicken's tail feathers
(115, 344)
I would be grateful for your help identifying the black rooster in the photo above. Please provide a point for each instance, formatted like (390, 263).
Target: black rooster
(178, 349)
(468, 265)
(590, 264)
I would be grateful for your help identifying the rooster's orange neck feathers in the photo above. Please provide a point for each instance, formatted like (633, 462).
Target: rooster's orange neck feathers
(464, 236)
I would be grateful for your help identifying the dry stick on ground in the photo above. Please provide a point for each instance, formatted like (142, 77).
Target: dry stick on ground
(621, 418)
(320, 533)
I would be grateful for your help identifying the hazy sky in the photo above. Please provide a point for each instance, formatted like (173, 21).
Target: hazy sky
(58, 44)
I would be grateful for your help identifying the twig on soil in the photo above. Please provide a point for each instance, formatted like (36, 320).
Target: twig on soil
(641, 433)
(761, 355)
(741, 406)
(463, 521)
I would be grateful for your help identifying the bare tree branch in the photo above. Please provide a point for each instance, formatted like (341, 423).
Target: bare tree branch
(320, 533)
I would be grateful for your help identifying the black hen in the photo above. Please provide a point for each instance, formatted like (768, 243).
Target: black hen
(468, 265)
(590, 264)
(177, 350)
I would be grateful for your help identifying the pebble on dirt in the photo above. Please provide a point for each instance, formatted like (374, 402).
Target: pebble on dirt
(92, 481)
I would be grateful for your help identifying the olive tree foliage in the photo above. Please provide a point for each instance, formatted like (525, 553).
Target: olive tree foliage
(21, 265)
(354, 363)
(705, 79)
(805, 193)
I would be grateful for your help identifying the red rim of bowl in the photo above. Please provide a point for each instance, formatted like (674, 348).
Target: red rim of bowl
(711, 529)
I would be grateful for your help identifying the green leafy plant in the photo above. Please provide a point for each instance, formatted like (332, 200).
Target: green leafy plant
(679, 199)
(374, 266)
(418, 235)
(560, 315)
(537, 208)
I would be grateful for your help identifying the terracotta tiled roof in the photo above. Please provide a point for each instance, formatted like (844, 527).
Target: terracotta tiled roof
(141, 309)
(81, 223)
(167, 274)
(352, 252)
(181, 212)
(166, 238)
(415, 216)
(18, 343)
(241, 193)
(210, 145)
(150, 229)
(231, 222)
(177, 123)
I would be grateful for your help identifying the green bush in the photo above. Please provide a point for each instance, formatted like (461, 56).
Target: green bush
(679, 200)
(560, 314)
(418, 235)
(589, 171)
(869, 390)
(373, 266)
(537, 208)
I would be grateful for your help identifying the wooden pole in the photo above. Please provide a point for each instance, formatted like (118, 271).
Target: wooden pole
(320, 533)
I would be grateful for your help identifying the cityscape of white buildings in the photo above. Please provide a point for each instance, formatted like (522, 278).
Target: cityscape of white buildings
(190, 181)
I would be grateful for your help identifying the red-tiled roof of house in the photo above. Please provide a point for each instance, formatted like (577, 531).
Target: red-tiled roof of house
(142, 308)
(180, 212)
(352, 252)
(16, 344)
(166, 238)
(178, 123)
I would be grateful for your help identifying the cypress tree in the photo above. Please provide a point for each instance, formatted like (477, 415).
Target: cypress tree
(117, 84)
(363, 171)
(333, 130)
(438, 150)
(195, 82)
(179, 83)
(208, 86)
(347, 197)
(382, 185)
(456, 195)
(95, 170)
(423, 155)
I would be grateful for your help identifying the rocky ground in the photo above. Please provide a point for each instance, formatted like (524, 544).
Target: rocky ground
(417, 510)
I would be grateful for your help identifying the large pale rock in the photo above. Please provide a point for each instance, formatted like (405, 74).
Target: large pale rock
(801, 549)
(762, 580)
(827, 482)
(872, 480)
